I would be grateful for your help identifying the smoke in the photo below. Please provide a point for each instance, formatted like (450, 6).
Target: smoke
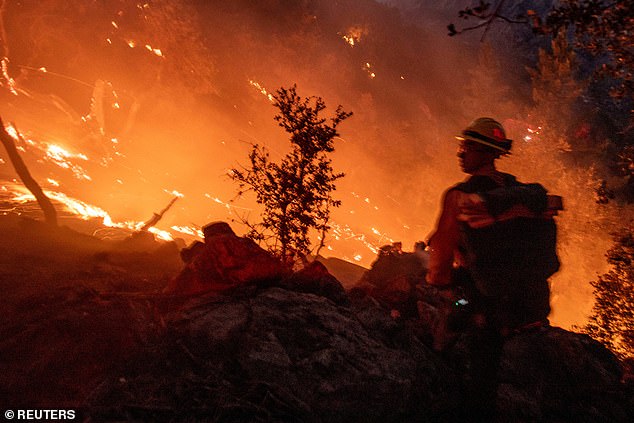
(168, 95)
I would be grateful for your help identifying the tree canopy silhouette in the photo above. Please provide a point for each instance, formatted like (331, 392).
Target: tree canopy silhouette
(601, 28)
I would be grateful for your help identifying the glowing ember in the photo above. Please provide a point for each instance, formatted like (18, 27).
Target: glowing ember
(228, 206)
(61, 157)
(531, 133)
(161, 234)
(12, 131)
(59, 153)
(156, 51)
(354, 35)
(262, 90)
(10, 82)
(368, 69)
(189, 231)
(346, 233)
(174, 193)
(54, 153)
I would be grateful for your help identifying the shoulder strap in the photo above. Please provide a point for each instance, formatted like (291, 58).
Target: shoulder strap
(481, 183)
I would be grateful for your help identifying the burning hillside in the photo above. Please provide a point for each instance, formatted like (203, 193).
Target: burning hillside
(123, 106)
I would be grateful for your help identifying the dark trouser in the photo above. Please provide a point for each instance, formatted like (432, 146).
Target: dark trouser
(485, 346)
(500, 317)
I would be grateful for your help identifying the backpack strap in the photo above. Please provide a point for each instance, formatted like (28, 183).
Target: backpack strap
(475, 210)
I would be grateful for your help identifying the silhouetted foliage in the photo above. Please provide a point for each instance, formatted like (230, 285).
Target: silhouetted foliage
(601, 28)
(604, 29)
(612, 319)
(296, 192)
(555, 86)
(485, 14)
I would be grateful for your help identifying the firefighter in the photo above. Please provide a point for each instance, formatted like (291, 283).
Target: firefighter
(495, 244)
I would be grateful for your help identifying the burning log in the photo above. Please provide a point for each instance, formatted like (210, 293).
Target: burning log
(50, 215)
(157, 216)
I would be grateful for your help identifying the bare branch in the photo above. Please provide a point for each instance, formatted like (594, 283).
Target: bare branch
(50, 215)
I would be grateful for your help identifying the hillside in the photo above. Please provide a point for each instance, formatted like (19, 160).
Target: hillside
(86, 327)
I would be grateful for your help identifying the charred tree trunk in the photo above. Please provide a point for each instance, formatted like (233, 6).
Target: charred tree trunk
(157, 216)
(50, 215)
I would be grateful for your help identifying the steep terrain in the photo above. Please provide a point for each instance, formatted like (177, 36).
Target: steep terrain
(87, 325)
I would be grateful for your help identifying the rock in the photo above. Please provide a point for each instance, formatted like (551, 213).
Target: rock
(278, 355)
(217, 228)
(550, 374)
(188, 253)
(348, 274)
(316, 279)
(314, 358)
(223, 262)
(393, 279)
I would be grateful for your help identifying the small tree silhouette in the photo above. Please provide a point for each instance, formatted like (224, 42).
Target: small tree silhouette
(612, 319)
(296, 192)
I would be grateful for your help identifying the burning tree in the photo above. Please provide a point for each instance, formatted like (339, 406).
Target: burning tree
(612, 319)
(296, 192)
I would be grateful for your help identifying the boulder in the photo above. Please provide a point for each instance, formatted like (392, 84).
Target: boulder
(315, 279)
(276, 356)
(548, 374)
(393, 279)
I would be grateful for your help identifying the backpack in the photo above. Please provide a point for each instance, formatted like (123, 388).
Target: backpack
(510, 261)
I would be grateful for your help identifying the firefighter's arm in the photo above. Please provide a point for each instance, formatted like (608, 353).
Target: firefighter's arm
(444, 242)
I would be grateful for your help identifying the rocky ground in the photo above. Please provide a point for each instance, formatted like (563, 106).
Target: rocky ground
(126, 331)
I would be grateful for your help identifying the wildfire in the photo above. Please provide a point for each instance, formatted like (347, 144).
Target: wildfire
(348, 243)
(86, 211)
